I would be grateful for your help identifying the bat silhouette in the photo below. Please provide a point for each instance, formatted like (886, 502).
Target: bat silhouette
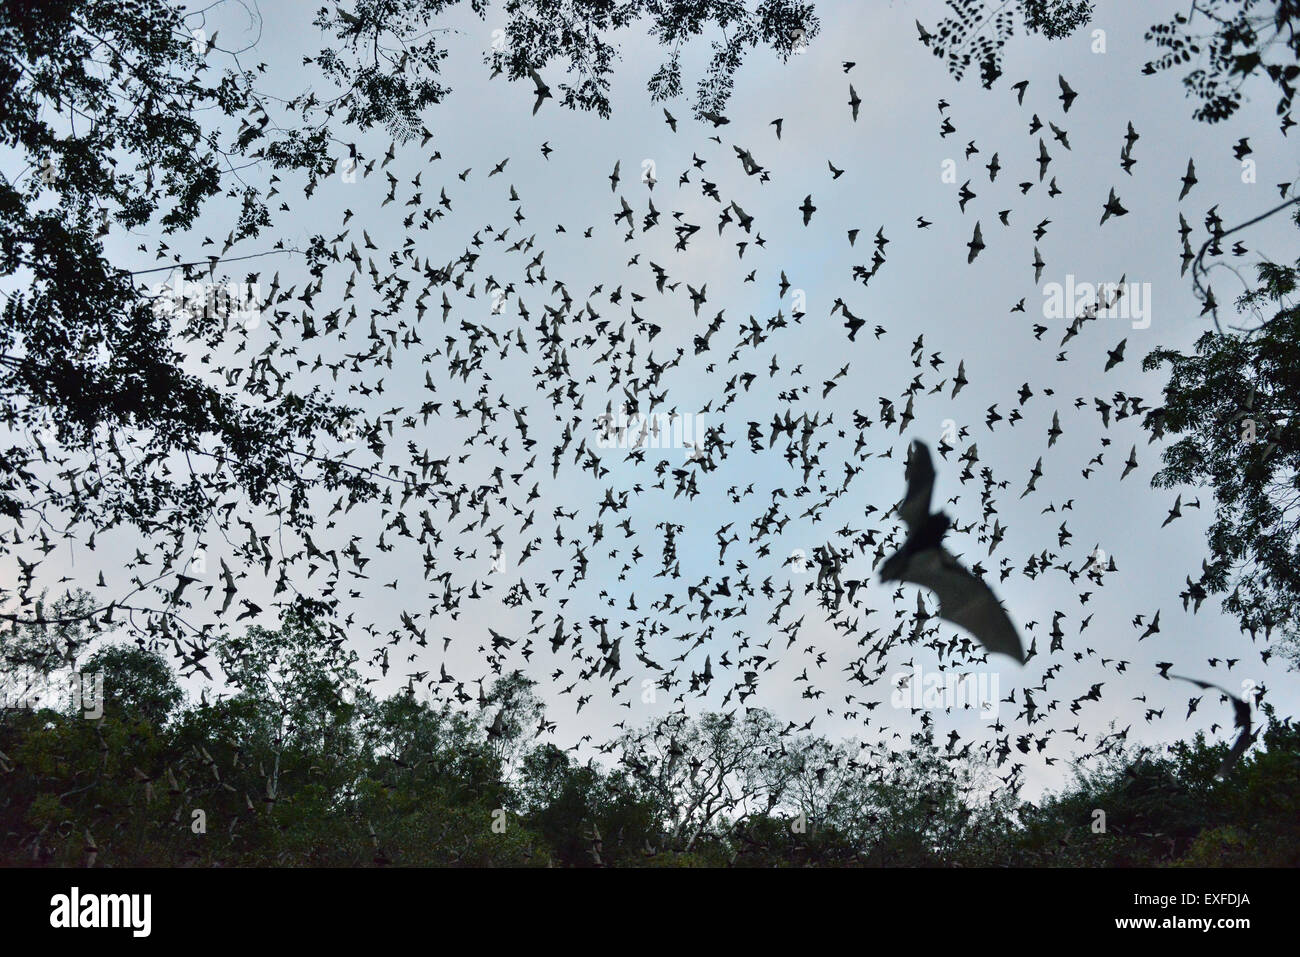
(964, 599)
(543, 91)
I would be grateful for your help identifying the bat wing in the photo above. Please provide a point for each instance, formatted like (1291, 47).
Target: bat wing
(965, 600)
(1241, 718)
(1240, 710)
(1239, 747)
(915, 507)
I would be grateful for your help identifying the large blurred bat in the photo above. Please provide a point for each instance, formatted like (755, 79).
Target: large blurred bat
(1241, 717)
(964, 599)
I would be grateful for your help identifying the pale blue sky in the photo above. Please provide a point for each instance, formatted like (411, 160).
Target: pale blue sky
(893, 157)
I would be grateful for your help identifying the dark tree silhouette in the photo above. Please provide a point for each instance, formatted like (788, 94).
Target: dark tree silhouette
(103, 103)
(1233, 404)
(1229, 42)
(389, 57)
(976, 31)
(122, 119)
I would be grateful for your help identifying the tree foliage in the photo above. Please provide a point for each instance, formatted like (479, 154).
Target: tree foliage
(112, 425)
(1229, 42)
(124, 400)
(976, 31)
(389, 57)
(287, 772)
(1222, 44)
(1232, 405)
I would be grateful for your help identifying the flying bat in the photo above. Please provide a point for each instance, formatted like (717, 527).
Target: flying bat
(964, 599)
(1067, 94)
(975, 245)
(1189, 179)
(543, 91)
(807, 209)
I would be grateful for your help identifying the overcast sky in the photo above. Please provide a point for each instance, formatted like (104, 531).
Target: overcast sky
(893, 159)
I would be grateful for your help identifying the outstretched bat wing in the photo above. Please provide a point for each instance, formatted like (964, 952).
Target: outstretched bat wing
(1244, 740)
(965, 600)
(1241, 718)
